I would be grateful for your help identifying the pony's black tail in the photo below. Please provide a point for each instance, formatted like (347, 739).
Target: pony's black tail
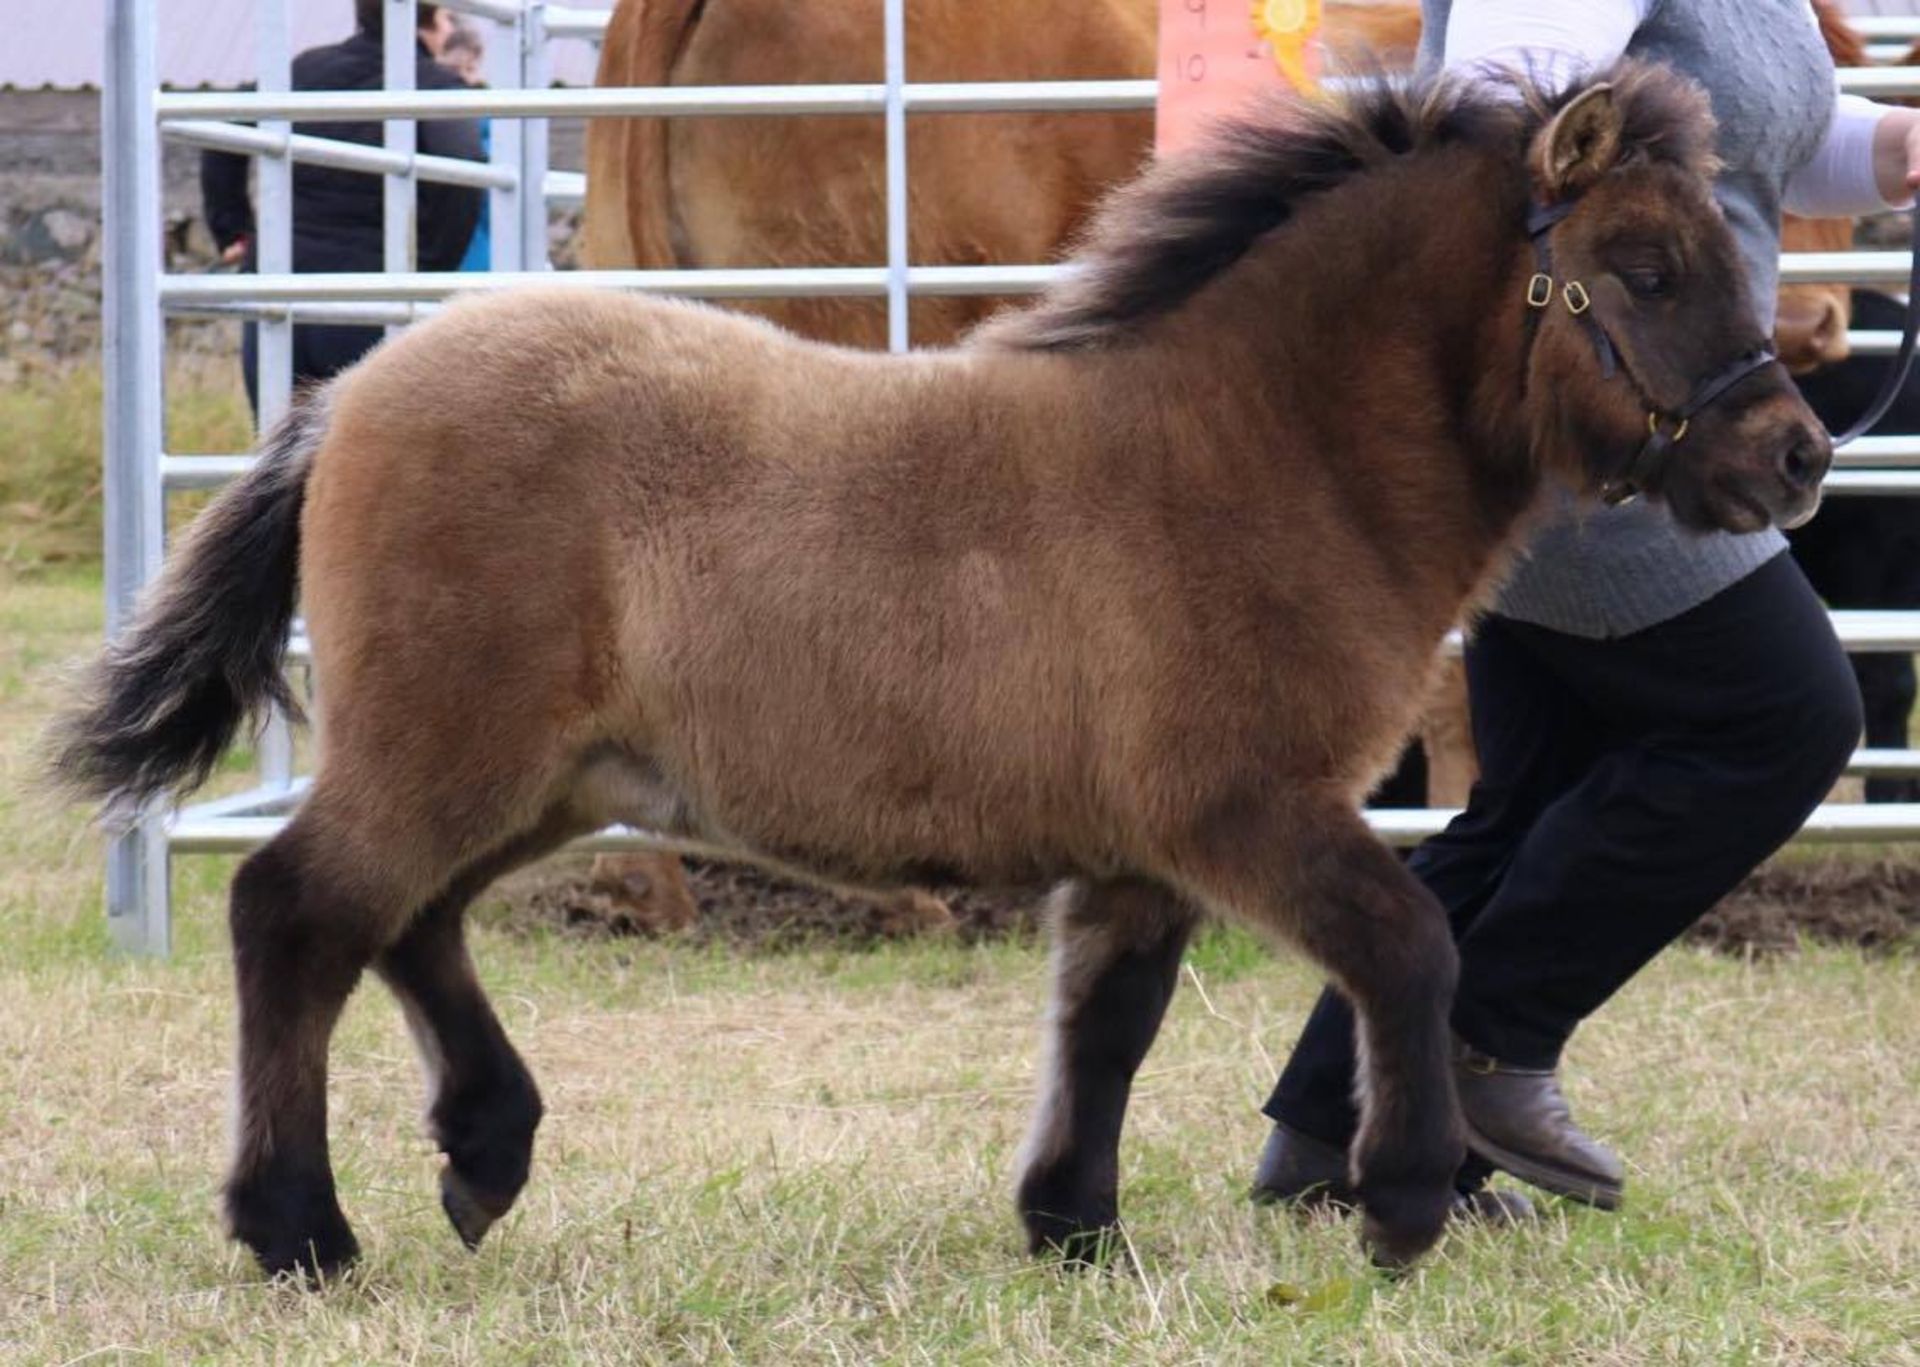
(203, 653)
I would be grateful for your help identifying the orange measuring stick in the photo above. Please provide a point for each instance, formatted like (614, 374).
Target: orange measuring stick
(1217, 54)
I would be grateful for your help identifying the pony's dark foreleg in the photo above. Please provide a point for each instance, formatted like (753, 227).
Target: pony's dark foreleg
(1322, 881)
(301, 936)
(1116, 958)
(483, 1106)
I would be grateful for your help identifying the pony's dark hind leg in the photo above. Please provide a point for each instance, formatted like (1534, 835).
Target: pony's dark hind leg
(1322, 881)
(483, 1107)
(302, 932)
(1116, 957)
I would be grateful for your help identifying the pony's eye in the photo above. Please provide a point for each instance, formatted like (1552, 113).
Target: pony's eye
(1647, 284)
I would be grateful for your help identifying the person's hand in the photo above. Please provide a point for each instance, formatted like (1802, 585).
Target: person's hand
(1896, 155)
(235, 253)
(1912, 150)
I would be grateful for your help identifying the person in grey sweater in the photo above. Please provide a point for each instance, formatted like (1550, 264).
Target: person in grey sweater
(1655, 711)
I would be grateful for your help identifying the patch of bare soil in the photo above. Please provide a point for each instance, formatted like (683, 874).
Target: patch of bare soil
(739, 905)
(1874, 903)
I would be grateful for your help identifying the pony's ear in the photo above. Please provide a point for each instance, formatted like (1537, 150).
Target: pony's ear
(1580, 145)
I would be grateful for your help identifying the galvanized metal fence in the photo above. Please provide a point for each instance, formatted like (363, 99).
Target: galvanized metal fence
(141, 473)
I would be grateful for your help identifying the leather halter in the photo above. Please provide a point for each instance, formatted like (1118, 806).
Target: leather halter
(1665, 430)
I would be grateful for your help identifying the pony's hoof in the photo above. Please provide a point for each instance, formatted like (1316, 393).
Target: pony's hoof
(291, 1234)
(1393, 1246)
(471, 1213)
(1072, 1244)
(1066, 1220)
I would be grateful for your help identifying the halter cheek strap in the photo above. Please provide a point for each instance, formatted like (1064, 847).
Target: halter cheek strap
(1664, 430)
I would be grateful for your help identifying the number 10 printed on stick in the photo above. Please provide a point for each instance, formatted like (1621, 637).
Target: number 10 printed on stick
(1217, 54)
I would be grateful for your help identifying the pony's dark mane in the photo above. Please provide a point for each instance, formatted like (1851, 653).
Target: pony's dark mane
(1189, 217)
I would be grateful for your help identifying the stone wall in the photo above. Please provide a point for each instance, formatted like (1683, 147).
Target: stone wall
(50, 228)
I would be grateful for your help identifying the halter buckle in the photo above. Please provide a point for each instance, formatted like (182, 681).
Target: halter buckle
(1653, 428)
(1578, 300)
(1540, 290)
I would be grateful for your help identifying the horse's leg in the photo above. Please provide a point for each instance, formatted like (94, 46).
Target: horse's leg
(305, 922)
(482, 1106)
(1116, 957)
(1319, 878)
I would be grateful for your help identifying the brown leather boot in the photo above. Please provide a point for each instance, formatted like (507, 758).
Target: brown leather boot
(1518, 1121)
(1300, 1171)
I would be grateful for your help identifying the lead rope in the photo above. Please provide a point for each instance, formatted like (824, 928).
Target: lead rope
(1896, 379)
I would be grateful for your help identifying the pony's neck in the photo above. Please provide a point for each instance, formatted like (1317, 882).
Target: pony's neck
(1378, 344)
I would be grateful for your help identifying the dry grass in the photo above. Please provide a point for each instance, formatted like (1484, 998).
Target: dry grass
(50, 434)
(806, 1157)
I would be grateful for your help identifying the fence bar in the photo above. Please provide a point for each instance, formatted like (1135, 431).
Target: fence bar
(344, 156)
(536, 80)
(137, 903)
(1873, 342)
(939, 97)
(563, 186)
(565, 21)
(505, 63)
(1888, 26)
(273, 371)
(1887, 269)
(984, 97)
(252, 802)
(1833, 823)
(1885, 763)
(273, 219)
(398, 200)
(1896, 451)
(500, 11)
(1881, 82)
(1872, 482)
(178, 291)
(1869, 631)
(895, 36)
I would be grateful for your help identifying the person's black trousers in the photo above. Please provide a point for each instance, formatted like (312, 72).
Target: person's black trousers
(1626, 786)
(320, 351)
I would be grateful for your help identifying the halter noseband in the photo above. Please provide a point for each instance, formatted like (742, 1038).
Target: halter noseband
(1664, 430)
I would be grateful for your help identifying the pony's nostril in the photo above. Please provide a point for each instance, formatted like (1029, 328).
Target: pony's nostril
(1803, 464)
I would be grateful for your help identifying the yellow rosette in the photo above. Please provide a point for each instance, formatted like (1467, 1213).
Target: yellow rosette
(1289, 28)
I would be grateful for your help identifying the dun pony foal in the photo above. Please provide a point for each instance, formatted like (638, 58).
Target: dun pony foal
(1135, 591)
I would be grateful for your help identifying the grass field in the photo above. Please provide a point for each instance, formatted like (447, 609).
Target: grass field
(50, 428)
(806, 1158)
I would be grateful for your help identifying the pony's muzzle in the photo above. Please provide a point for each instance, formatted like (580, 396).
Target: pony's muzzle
(1802, 462)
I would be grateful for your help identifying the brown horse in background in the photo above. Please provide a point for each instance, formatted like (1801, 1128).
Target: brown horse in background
(1135, 592)
(810, 191)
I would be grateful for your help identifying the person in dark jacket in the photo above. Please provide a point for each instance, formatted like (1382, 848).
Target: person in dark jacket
(337, 215)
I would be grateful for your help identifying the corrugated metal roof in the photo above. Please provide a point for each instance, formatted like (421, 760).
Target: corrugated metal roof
(202, 42)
